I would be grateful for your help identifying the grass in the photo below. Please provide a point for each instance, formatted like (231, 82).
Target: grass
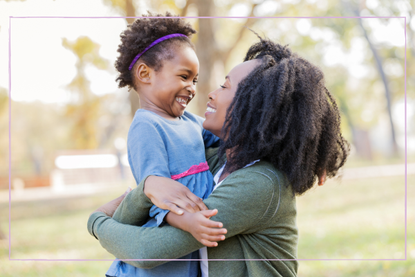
(350, 219)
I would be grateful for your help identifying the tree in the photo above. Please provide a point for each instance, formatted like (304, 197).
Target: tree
(127, 8)
(355, 10)
(84, 105)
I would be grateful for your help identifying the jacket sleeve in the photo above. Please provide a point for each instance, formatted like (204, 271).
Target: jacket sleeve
(137, 214)
(243, 202)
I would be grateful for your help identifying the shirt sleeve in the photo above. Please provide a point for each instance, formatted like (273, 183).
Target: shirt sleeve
(147, 155)
(209, 139)
(244, 203)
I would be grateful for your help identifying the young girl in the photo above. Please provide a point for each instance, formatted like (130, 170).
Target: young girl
(158, 60)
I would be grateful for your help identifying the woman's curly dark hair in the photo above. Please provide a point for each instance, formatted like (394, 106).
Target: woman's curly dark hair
(283, 113)
(141, 34)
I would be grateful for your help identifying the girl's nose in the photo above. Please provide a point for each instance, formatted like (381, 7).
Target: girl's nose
(191, 91)
(192, 88)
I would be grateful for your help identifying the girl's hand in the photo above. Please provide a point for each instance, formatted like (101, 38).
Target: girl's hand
(110, 207)
(206, 231)
(171, 195)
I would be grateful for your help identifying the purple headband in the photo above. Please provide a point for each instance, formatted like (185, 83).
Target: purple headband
(152, 44)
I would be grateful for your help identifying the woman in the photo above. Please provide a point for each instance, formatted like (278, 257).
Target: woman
(280, 130)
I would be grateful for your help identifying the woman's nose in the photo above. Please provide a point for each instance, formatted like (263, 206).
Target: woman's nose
(212, 94)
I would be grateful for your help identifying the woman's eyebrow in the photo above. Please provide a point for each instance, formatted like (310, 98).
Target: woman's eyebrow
(229, 78)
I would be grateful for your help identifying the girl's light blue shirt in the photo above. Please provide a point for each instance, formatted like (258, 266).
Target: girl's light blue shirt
(162, 147)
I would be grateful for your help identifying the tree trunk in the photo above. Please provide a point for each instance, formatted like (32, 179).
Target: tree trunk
(378, 59)
(2, 235)
(206, 50)
(360, 137)
(385, 81)
(130, 10)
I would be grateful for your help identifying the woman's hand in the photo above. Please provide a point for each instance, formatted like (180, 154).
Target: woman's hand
(110, 207)
(171, 195)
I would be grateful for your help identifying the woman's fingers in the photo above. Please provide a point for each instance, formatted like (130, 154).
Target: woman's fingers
(110, 207)
(173, 208)
(196, 200)
(164, 191)
(185, 204)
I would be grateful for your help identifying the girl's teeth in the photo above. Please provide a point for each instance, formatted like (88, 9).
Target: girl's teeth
(209, 109)
(181, 101)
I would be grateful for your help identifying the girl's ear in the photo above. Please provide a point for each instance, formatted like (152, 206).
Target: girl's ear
(143, 73)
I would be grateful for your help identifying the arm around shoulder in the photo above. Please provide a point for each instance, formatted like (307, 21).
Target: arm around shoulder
(134, 209)
(134, 242)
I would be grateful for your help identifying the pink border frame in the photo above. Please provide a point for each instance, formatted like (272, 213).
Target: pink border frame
(293, 17)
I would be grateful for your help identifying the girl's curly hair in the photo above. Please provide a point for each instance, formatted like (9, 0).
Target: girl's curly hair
(141, 34)
(283, 113)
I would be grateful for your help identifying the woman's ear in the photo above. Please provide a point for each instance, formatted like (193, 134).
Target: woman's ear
(143, 73)
(322, 178)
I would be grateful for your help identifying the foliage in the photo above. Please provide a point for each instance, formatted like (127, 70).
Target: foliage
(85, 106)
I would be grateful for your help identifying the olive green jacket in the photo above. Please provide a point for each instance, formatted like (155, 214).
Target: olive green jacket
(255, 204)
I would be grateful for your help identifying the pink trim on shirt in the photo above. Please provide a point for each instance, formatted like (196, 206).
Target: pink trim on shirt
(192, 170)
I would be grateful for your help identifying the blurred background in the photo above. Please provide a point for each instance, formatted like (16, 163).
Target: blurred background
(69, 123)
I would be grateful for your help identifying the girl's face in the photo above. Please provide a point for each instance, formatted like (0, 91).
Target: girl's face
(221, 98)
(168, 91)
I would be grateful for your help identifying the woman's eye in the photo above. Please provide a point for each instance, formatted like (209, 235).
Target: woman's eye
(222, 86)
(184, 77)
(195, 82)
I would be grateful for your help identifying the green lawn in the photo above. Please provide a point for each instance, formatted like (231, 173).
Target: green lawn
(346, 219)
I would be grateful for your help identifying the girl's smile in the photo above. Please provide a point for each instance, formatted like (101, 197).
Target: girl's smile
(168, 91)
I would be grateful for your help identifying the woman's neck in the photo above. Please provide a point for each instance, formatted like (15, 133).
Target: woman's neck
(226, 171)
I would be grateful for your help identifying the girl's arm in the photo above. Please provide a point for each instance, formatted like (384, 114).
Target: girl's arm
(147, 155)
(243, 203)
(166, 194)
(206, 231)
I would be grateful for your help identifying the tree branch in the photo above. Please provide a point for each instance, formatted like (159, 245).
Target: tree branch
(186, 7)
(129, 10)
(249, 22)
(383, 76)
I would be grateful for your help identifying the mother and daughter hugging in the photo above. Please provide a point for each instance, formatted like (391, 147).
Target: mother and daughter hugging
(222, 188)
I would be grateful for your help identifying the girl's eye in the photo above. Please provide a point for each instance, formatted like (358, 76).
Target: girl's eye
(184, 77)
(195, 82)
(222, 86)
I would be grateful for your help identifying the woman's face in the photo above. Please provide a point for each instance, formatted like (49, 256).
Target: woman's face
(221, 98)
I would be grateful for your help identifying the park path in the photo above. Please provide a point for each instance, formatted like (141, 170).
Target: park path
(49, 193)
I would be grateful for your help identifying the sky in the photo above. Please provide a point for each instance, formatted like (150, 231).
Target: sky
(42, 67)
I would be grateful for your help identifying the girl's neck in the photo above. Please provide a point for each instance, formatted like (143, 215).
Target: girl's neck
(150, 106)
